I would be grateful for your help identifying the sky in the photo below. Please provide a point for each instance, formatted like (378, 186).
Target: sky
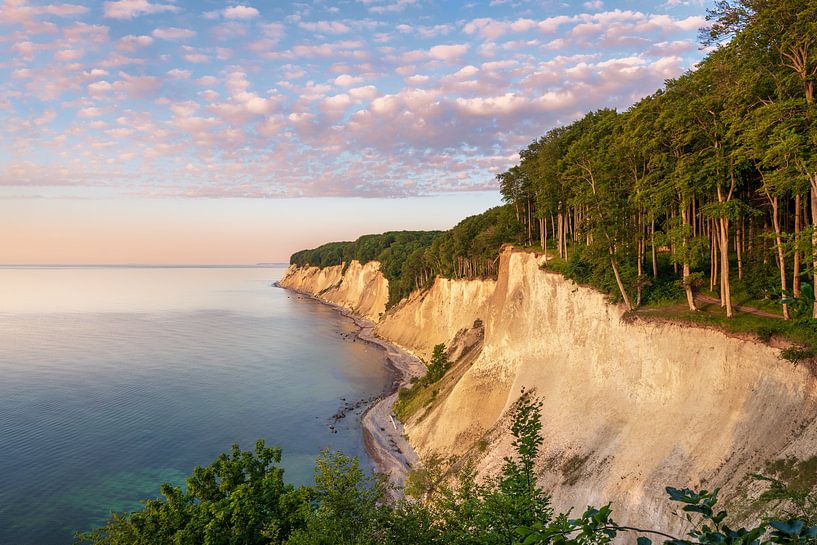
(213, 131)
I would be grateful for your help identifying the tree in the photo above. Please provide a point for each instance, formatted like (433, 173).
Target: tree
(789, 29)
(439, 364)
(240, 498)
(346, 505)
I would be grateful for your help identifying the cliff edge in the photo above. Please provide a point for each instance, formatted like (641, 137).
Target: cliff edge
(630, 406)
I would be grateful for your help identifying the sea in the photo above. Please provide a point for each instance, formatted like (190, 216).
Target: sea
(114, 380)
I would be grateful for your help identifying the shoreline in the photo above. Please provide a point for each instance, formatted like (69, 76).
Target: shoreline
(383, 435)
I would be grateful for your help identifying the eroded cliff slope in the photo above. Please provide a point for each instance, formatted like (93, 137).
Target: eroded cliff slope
(629, 406)
(360, 288)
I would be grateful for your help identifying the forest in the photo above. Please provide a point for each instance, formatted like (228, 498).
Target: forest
(704, 191)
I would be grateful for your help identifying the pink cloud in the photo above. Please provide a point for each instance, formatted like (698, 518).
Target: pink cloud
(128, 9)
(132, 43)
(173, 33)
(240, 12)
(448, 52)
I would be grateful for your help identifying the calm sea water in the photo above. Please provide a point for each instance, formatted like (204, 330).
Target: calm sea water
(114, 380)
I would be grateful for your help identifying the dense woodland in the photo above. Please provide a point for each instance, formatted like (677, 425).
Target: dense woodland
(706, 187)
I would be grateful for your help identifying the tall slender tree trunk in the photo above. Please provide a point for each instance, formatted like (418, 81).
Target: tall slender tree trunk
(542, 234)
(814, 237)
(621, 289)
(652, 248)
(687, 281)
(726, 295)
(781, 260)
(530, 225)
(713, 279)
(640, 260)
(795, 280)
(726, 292)
(739, 252)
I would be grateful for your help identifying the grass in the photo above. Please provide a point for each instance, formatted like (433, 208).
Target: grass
(801, 332)
(800, 475)
(412, 399)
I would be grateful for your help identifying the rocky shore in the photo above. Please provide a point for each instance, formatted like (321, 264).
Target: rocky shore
(391, 453)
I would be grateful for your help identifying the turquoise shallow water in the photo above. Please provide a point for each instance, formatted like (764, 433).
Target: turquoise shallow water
(114, 380)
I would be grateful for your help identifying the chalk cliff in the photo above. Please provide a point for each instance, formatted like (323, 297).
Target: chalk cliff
(630, 406)
(360, 288)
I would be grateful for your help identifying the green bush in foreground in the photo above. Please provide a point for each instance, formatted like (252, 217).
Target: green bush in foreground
(241, 498)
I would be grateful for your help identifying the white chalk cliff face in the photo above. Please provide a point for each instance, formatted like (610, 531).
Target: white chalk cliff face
(360, 288)
(629, 406)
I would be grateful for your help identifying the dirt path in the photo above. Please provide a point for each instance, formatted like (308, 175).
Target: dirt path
(738, 308)
(383, 434)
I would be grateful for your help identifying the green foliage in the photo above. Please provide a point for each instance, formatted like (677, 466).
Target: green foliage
(422, 392)
(438, 366)
(346, 505)
(412, 259)
(796, 354)
(392, 250)
(240, 498)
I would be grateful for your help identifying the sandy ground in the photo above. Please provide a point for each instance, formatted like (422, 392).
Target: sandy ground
(383, 434)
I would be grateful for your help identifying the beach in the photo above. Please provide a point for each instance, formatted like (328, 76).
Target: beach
(391, 453)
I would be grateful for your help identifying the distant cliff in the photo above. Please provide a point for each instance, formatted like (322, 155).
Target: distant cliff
(630, 406)
(359, 288)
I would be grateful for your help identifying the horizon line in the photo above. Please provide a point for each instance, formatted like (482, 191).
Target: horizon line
(262, 264)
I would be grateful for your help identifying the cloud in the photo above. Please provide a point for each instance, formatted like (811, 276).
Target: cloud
(99, 88)
(345, 80)
(128, 9)
(360, 100)
(173, 33)
(177, 73)
(240, 12)
(131, 43)
(69, 54)
(392, 7)
(325, 27)
(448, 52)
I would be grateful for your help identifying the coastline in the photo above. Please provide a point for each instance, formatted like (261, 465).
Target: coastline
(383, 435)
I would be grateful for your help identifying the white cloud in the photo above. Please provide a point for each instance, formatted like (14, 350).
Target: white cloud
(132, 43)
(345, 80)
(325, 27)
(240, 12)
(128, 9)
(448, 52)
(173, 33)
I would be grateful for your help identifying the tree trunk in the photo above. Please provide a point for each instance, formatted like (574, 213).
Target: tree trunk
(738, 244)
(652, 245)
(544, 227)
(621, 289)
(726, 292)
(542, 232)
(814, 236)
(530, 225)
(726, 295)
(781, 260)
(687, 281)
(795, 281)
(714, 257)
